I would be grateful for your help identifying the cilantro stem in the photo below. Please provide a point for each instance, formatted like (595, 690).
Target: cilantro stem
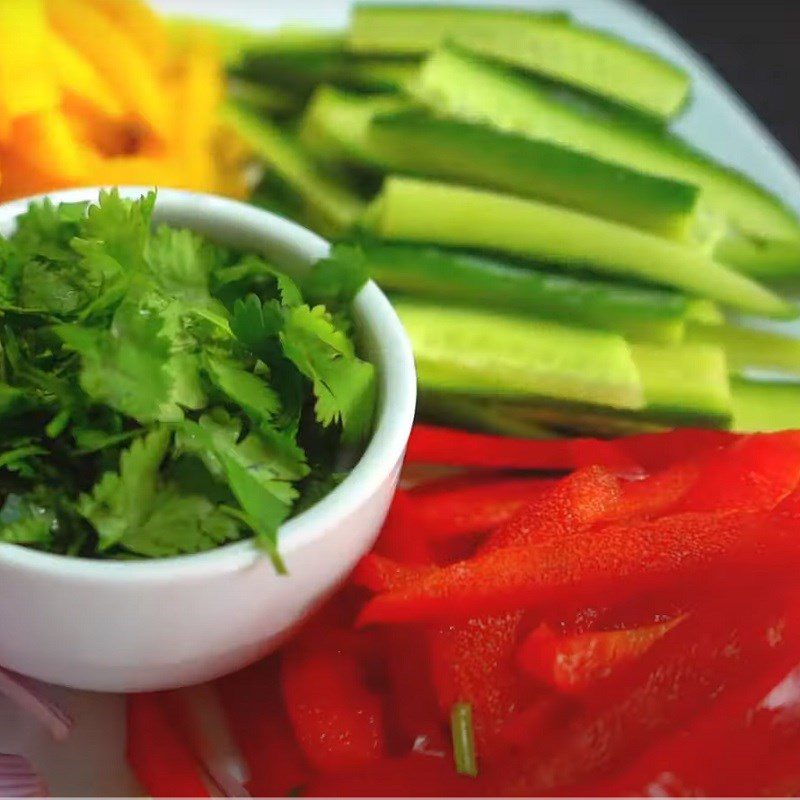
(463, 740)
(261, 541)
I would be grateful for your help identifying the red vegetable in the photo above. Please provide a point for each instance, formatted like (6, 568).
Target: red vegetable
(253, 703)
(575, 663)
(712, 652)
(404, 536)
(612, 563)
(656, 451)
(434, 445)
(337, 720)
(160, 759)
(475, 508)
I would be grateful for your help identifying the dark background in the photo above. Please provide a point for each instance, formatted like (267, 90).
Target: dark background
(755, 46)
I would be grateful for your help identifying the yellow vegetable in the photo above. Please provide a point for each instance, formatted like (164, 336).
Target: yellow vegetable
(50, 146)
(78, 78)
(26, 80)
(128, 71)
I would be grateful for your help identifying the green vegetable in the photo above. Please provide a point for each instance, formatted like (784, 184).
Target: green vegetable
(379, 132)
(420, 211)
(456, 277)
(463, 740)
(549, 46)
(163, 395)
(490, 355)
(765, 405)
(455, 82)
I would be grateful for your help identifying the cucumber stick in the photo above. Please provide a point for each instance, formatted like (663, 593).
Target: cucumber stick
(385, 134)
(335, 205)
(587, 59)
(765, 405)
(747, 348)
(458, 84)
(483, 354)
(455, 277)
(419, 211)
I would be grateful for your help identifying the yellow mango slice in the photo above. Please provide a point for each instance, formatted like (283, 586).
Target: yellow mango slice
(142, 25)
(21, 179)
(136, 171)
(49, 145)
(78, 78)
(27, 84)
(128, 72)
(198, 87)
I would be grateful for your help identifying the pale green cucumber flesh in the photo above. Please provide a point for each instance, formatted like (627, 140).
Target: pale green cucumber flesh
(765, 259)
(334, 203)
(587, 59)
(765, 406)
(684, 379)
(421, 211)
(459, 84)
(484, 354)
(747, 348)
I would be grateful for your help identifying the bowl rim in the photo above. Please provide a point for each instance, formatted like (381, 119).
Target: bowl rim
(385, 449)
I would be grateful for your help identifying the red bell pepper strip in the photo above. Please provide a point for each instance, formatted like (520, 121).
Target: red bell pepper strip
(755, 472)
(574, 663)
(713, 652)
(337, 720)
(404, 536)
(657, 494)
(380, 574)
(536, 721)
(613, 563)
(475, 508)
(161, 760)
(254, 706)
(656, 451)
(410, 776)
(568, 507)
(433, 445)
(735, 747)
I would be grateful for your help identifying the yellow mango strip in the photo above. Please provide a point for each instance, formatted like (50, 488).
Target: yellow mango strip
(136, 171)
(50, 146)
(143, 26)
(5, 123)
(78, 78)
(129, 73)
(231, 156)
(27, 84)
(199, 90)
(21, 179)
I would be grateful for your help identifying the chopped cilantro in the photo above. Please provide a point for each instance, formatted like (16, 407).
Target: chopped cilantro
(162, 395)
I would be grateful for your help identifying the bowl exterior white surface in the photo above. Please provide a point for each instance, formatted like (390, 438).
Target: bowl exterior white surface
(141, 626)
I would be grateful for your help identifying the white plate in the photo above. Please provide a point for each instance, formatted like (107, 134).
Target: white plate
(92, 762)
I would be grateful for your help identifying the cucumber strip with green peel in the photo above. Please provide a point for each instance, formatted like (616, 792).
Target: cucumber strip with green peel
(478, 414)
(763, 259)
(456, 277)
(485, 354)
(764, 406)
(587, 59)
(335, 205)
(384, 133)
(266, 99)
(747, 348)
(437, 213)
(684, 380)
(459, 84)
(705, 311)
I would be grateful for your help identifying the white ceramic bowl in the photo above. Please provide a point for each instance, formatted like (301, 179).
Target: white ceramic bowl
(135, 626)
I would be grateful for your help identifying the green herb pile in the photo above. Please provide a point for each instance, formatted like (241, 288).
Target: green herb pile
(160, 394)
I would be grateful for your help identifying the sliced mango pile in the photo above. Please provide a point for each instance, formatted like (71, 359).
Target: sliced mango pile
(97, 92)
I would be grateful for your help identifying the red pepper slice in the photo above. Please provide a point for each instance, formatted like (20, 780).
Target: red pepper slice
(162, 762)
(254, 706)
(714, 651)
(475, 508)
(411, 776)
(656, 451)
(610, 564)
(657, 494)
(404, 536)
(738, 746)
(575, 663)
(434, 445)
(756, 472)
(337, 720)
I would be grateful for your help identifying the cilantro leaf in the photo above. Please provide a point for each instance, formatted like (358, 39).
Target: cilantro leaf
(343, 384)
(336, 280)
(120, 502)
(245, 389)
(180, 263)
(26, 520)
